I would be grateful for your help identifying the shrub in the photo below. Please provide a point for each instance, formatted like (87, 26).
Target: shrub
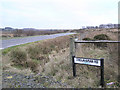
(38, 51)
(87, 39)
(34, 52)
(32, 65)
(100, 45)
(18, 56)
(101, 37)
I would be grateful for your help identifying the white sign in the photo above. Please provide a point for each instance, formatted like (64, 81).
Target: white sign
(89, 61)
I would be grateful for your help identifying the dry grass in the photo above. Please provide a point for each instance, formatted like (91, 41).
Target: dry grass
(51, 57)
(35, 54)
(60, 68)
(112, 35)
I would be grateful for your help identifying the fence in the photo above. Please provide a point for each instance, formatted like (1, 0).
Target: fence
(73, 43)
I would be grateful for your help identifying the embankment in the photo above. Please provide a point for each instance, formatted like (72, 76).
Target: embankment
(51, 58)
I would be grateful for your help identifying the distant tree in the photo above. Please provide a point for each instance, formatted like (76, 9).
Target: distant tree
(18, 32)
(96, 27)
(30, 33)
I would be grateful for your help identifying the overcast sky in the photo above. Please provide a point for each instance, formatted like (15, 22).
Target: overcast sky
(57, 14)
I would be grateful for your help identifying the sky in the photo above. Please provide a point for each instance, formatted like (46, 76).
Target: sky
(57, 14)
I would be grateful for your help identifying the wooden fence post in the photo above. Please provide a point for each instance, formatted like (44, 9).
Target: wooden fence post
(74, 66)
(102, 72)
(72, 49)
(119, 61)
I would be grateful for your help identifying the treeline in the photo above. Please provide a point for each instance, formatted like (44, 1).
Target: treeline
(20, 32)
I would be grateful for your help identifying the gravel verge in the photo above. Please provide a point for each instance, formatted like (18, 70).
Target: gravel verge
(16, 80)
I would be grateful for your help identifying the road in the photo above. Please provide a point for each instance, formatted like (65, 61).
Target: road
(14, 42)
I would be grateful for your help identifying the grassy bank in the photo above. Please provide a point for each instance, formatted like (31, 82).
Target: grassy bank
(51, 58)
(36, 51)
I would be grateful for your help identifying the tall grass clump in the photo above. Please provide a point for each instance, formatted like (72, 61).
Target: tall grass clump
(18, 56)
(33, 66)
(101, 37)
(87, 39)
(112, 63)
(34, 52)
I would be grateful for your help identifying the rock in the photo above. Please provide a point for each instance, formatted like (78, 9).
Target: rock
(27, 77)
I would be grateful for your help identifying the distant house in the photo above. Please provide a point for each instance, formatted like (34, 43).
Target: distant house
(90, 27)
(102, 26)
(106, 26)
(83, 27)
(116, 25)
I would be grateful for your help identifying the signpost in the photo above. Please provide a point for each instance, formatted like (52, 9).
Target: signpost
(89, 61)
